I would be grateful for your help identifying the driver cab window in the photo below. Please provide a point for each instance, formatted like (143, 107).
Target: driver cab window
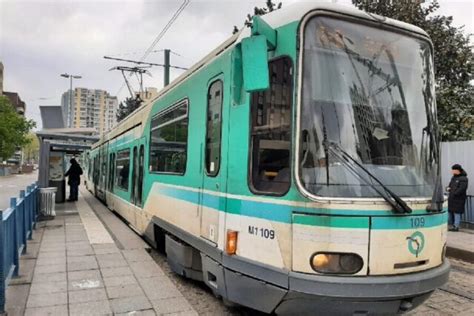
(270, 131)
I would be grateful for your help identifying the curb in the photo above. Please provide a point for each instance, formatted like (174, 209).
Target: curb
(460, 254)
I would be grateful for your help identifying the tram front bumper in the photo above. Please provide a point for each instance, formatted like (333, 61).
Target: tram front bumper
(360, 295)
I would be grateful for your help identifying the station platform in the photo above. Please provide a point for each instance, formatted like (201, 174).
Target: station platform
(75, 265)
(460, 245)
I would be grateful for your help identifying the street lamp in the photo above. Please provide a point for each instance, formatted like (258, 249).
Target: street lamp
(66, 75)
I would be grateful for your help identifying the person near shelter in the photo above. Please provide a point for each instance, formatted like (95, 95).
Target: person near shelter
(74, 173)
(457, 196)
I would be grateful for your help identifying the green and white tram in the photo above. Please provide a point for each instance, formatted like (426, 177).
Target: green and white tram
(295, 168)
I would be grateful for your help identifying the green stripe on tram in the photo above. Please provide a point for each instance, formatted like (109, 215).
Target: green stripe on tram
(356, 219)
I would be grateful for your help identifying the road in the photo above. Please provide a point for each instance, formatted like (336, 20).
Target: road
(456, 298)
(10, 186)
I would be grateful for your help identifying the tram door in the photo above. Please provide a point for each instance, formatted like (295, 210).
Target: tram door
(138, 162)
(213, 183)
(103, 172)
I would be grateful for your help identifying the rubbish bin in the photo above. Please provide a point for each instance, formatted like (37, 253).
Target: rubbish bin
(47, 201)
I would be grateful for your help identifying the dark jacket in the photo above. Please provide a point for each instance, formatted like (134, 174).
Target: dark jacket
(74, 173)
(457, 193)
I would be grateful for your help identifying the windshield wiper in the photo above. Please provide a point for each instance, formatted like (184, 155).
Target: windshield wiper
(393, 199)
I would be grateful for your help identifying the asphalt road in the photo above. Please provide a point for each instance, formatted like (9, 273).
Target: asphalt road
(10, 186)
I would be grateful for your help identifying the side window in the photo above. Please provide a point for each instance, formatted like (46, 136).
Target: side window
(270, 131)
(213, 127)
(168, 140)
(122, 169)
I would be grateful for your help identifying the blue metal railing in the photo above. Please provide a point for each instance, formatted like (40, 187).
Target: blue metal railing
(16, 227)
(468, 215)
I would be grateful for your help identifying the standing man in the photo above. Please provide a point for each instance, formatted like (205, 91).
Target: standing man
(74, 173)
(457, 196)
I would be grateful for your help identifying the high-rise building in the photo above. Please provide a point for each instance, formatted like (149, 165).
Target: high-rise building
(90, 108)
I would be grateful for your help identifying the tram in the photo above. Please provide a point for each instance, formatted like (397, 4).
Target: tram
(294, 169)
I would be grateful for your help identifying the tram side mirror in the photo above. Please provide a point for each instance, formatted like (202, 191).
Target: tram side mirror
(255, 63)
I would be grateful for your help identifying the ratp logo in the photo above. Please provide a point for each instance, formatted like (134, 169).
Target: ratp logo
(416, 243)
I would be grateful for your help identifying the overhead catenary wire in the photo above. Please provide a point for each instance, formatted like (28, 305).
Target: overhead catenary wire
(161, 34)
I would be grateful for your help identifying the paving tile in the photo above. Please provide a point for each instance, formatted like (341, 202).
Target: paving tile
(76, 237)
(146, 312)
(25, 273)
(112, 263)
(120, 271)
(80, 252)
(50, 261)
(120, 280)
(58, 310)
(185, 313)
(124, 291)
(48, 287)
(54, 268)
(82, 264)
(90, 308)
(100, 249)
(130, 304)
(16, 298)
(136, 255)
(171, 305)
(88, 295)
(46, 299)
(78, 245)
(159, 288)
(55, 254)
(111, 260)
(50, 277)
(84, 274)
(86, 283)
(146, 269)
(86, 260)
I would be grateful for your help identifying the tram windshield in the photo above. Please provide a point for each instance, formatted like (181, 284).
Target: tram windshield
(370, 91)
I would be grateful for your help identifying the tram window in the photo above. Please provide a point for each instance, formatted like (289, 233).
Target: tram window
(168, 140)
(271, 131)
(213, 129)
(122, 169)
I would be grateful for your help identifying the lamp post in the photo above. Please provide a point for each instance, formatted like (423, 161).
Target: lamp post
(66, 75)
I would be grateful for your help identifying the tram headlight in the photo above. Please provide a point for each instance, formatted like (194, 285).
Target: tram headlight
(333, 262)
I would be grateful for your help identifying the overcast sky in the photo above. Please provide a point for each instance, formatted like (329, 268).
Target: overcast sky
(40, 39)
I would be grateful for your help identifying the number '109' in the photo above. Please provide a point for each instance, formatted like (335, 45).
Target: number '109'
(417, 222)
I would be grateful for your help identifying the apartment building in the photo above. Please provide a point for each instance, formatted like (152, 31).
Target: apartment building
(90, 108)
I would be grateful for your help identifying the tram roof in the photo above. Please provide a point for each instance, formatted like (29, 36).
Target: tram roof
(277, 18)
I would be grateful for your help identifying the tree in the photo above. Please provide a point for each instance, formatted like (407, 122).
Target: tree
(14, 129)
(453, 59)
(125, 109)
(269, 7)
(31, 149)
